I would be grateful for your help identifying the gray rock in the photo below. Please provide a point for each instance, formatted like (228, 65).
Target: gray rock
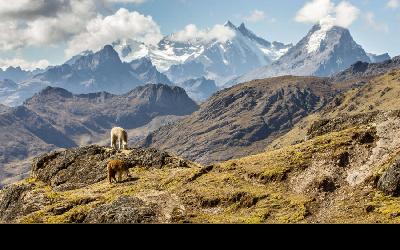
(125, 210)
(389, 183)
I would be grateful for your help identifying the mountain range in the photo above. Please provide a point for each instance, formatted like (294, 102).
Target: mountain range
(216, 60)
(324, 51)
(124, 65)
(334, 158)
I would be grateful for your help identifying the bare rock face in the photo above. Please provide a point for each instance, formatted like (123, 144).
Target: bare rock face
(389, 183)
(80, 167)
(125, 210)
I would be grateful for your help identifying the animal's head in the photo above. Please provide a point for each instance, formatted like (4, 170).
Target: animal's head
(125, 146)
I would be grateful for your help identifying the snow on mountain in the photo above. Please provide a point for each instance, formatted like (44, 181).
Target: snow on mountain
(325, 50)
(89, 72)
(199, 89)
(214, 59)
(378, 58)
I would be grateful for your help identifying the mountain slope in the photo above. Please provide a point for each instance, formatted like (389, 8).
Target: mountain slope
(324, 51)
(306, 183)
(25, 134)
(242, 120)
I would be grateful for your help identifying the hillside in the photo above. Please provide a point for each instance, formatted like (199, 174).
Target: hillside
(378, 94)
(244, 119)
(307, 183)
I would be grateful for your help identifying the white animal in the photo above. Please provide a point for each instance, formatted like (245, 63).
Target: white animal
(120, 135)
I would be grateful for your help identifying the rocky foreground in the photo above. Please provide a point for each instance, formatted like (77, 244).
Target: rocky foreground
(340, 175)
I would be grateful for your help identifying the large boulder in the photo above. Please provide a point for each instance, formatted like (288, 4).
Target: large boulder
(389, 183)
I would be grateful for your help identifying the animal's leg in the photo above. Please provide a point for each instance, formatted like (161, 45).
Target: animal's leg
(113, 142)
(127, 173)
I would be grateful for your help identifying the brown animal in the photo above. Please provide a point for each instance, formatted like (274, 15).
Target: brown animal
(117, 167)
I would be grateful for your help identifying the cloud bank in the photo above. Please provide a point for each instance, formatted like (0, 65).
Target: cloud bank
(192, 34)
(326, 12)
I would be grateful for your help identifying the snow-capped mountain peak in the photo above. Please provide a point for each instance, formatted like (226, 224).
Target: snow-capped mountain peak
(218, 59)
(326, 50)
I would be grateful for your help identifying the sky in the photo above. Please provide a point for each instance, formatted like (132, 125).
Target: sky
(38, 33)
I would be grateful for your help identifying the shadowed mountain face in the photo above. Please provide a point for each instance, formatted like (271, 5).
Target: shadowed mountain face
(94, 114)
(56, 118)
(25, 134)
(242, 120)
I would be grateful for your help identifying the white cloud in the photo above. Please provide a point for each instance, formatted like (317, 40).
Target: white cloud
(42, 22)
(346, 14)
(26, 65)
(27, 23)
(256, 16)
(119, 26)
(325, 11)
(314, 11)
(393, 4)
(371, 21)
(192, 34)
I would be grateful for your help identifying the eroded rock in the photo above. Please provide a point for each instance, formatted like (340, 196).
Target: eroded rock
(389, 183)
(80, 167)
(125, 210)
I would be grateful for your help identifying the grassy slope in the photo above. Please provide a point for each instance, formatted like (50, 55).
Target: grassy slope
(255, 189)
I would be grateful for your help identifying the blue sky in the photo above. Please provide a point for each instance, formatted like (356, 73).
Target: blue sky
(376, 27)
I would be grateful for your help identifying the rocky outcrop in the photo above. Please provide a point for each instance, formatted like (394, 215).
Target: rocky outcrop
(389, 183)
(80, 167)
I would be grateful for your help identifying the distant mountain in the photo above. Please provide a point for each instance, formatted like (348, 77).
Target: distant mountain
(199, 89)
(8, 84)
(215, 60)
(15, 74)
(92, 115)
(56, 118)
(378, 58)
(90, 72)
(325, 50)
(101, 71)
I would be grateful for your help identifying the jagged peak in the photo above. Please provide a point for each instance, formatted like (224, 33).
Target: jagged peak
(229, 24)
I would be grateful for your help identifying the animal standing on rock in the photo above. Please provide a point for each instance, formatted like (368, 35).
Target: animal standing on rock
(119, 167)
(120, 135)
